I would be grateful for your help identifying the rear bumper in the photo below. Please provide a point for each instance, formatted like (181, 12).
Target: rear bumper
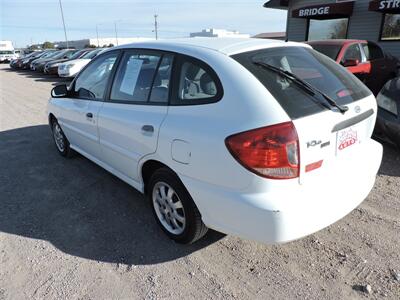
(282, 211)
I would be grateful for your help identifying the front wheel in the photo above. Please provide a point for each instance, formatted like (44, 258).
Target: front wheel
(60, 140)
(174, 209)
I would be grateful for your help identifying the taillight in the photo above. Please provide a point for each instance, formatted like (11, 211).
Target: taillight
(271, 152)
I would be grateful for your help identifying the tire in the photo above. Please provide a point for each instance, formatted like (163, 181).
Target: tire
(60, 140)
(174, 209)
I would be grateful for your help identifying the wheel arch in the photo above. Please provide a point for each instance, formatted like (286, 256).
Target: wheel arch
(51, 118)
(148, 168)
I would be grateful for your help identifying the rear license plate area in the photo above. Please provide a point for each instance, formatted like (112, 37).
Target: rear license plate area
(346, 139)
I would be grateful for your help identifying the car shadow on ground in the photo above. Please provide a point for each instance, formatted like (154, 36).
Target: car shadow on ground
(39, 76)
(77, 206)
(391, 161)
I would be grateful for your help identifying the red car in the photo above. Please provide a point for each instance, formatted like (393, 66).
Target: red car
(364, 59)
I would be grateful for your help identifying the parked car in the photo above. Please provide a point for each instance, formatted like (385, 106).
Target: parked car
(261, 139)
(37, 55)
(388, 121)
(52, 66)
(364, 59)
(72, 67)
(38, 65)
(17, 62)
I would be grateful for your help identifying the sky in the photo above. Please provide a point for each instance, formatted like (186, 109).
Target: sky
(35, 21)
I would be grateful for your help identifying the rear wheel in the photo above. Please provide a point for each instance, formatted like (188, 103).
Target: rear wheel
(61, 141)
(174, 209)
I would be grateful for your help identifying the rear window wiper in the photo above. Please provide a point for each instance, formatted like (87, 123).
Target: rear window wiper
(305, 85)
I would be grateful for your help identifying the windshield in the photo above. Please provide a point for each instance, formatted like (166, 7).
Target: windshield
(60, 54)
(48, 54)
(78, 54)
(331, 51)
(92, 54)
(6, 52)
(308, 65)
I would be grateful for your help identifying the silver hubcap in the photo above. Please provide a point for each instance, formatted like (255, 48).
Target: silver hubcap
(168, 208)
(58, 137)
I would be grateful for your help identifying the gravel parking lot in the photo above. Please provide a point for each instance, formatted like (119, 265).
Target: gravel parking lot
(70, 230)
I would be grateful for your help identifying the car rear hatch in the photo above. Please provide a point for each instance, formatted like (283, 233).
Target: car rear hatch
(330, 140)
(332, 111)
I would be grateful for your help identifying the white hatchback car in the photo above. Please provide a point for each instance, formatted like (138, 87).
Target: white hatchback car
(72, 67)
(265, 140)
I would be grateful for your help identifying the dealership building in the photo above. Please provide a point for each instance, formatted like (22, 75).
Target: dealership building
(377, 20)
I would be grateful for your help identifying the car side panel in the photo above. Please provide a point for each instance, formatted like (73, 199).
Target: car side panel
(123, 141)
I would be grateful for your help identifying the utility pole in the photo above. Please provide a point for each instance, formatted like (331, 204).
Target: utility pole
(156, 26)
(116, 33)
(62, 16)
(97, 34)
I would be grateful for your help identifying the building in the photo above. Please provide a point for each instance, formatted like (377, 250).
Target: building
(377, 20)
(80, 44)
(271, 35)
(212, 32)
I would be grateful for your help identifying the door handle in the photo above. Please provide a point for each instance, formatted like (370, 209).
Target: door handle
(89, 115)
(147, 128)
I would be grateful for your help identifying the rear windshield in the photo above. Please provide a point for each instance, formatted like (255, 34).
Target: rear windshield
(6, 52)
(331, 51)
(312, 67)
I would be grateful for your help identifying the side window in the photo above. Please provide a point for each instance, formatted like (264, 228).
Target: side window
(197, 84)
(92, 82)
(160, 89)
(372, 51)
(134, 77)
(353, 52)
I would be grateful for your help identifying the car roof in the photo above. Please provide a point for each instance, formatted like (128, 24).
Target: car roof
(227, 46)
(335, 42)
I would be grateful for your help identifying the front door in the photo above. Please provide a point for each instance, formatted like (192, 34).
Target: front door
(80, 111)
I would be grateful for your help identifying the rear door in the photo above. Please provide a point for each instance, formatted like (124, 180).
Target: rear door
(80, 111)
(130, 119)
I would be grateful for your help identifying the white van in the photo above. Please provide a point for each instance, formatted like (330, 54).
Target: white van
(7, 52)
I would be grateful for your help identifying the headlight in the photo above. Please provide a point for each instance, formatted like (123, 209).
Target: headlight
(387, 103)
(69, 66)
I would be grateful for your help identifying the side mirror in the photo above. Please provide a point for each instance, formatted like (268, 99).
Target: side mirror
(351, 63)
(59, 91)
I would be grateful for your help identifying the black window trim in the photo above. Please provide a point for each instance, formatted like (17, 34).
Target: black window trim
(175, 100)
(141, 51)
(381, 30)
(72, 85)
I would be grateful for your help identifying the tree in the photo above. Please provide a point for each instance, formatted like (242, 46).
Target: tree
(90, 46)
(48, 45)
(110, 45)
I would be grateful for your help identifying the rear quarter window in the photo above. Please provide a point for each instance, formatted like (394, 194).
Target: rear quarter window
(312, 67)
